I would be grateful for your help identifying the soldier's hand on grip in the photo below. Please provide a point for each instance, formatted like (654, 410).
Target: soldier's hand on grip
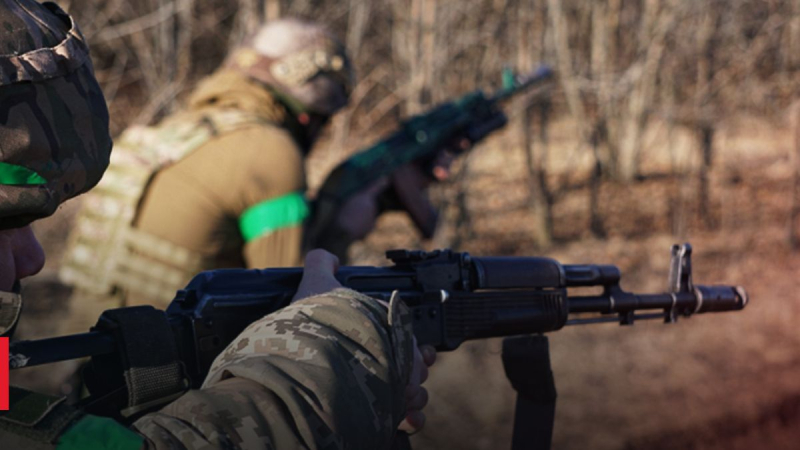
(318, 275)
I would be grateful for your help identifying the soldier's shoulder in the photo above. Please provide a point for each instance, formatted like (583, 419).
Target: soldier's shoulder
(261, 140)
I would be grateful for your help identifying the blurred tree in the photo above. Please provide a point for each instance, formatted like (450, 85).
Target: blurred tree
(540, 198)
(794, 157)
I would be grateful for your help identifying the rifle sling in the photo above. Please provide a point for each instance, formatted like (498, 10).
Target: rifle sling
(526, 360)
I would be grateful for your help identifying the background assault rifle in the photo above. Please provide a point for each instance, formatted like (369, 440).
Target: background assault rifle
(453, 298)
(453, 126)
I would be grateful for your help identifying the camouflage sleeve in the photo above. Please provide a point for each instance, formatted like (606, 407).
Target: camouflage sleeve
(328, 372)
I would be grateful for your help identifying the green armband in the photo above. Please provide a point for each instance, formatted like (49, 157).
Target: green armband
(281, 212)
(99, 433)
(12, 174)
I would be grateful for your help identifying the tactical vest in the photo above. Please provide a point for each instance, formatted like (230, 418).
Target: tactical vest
(105, 254)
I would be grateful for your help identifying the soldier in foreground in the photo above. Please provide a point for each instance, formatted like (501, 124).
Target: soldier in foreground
(341, 370)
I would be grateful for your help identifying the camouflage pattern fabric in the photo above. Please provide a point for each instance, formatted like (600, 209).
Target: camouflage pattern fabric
(53, 117)
(328, 372)
(43, 42)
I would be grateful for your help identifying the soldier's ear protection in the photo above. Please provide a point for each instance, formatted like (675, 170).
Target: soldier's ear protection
(296, 69)
(299, 68)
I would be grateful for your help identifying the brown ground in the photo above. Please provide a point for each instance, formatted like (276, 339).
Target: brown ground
(723, 381)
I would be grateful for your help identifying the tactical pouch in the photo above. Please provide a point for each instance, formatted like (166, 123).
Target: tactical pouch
(144, 373)
(35, 421)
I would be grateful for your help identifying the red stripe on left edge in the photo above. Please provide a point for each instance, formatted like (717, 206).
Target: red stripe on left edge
(4, 374)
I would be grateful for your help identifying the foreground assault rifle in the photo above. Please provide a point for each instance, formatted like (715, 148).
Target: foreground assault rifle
(453, 298)
(453, 126)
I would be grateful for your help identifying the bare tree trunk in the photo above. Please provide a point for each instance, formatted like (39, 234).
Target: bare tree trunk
(791, 38)
(605, 153)
(418, 37)
(538, 199)
(793, 53)
(677, 202)
(183, 40)
(601, 61)
(575, 104)
(402, 40)
(164, 52)
(463, 221)
(656, 22)
(703, 116)
(564, 60)
(793, 62)
(706, 136)
(416, 75)
(794, 239)
(595, 221)
(428, 42)
(249, 17)
(356, 27)
(545, 108)
(272, 10)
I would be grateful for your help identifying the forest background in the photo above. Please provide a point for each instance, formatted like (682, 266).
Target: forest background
(669, 121)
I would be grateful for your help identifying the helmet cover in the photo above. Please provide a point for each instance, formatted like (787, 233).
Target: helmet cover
(54, 138)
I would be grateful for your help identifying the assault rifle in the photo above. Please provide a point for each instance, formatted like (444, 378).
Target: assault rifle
(453, 298)
(453, 126)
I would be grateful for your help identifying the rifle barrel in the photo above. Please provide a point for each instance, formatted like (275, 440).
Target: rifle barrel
(701, 299)
(543, 73)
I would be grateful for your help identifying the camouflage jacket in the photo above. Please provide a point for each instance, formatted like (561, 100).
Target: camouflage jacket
(327, 372)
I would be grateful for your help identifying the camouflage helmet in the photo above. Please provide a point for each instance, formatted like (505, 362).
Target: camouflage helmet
(302, 61)
(54, 138)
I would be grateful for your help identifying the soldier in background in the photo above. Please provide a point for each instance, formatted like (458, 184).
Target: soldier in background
(342, 370)
(219, 184)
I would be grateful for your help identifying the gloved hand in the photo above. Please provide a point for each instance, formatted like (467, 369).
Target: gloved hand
(318, 278)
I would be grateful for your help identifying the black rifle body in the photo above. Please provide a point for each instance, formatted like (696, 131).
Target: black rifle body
(453, 298)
